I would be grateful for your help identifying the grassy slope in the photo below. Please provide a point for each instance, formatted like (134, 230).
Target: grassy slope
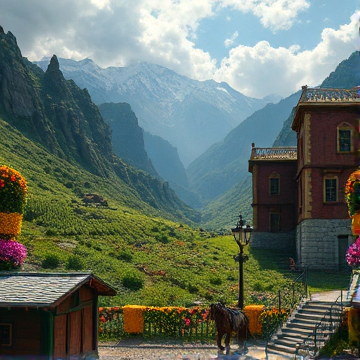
(148, 259)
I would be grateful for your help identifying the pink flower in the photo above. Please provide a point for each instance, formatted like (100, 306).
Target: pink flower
(12, 251)
(187, 322)
(353, 253)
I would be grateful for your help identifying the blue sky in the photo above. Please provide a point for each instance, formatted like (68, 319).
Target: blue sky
(305, 32)
(259, 47)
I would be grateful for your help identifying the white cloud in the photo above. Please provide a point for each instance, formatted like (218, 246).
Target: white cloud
(118, 32)
(261, 70)
(229, 42)
(274, 14)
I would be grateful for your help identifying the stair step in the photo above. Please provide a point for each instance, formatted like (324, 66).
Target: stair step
(299, 329)
(313, 310)
(316, 317)
(295, 339)
(290, 342)
(281, 348)
(316, 306)
(296, 324)
(293, 332)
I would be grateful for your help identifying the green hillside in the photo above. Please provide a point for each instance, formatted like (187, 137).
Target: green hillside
(148, 259)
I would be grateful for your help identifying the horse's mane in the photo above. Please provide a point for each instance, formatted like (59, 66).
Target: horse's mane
(218, 310)
(223, 314)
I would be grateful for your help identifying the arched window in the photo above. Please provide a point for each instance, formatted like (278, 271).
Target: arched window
(344, 138)
(274, 183)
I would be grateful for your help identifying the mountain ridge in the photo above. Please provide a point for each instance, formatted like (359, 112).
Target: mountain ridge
(159, 98)
(60, 117)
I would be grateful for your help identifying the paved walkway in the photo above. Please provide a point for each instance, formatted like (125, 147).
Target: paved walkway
(128, 349)
(328, 295)
(139, 349)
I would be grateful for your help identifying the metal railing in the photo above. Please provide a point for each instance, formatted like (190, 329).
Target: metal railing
(194, 327)
(329, 95)
(290, 298)
(197, 330)
(324, 329)
(111, 324)
(275, 153)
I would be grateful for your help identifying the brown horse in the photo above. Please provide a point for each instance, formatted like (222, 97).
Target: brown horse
(228, 320)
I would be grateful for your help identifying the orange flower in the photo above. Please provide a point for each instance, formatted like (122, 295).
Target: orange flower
(10, 224)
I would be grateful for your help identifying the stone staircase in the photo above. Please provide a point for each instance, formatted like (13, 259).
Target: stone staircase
(297, 332)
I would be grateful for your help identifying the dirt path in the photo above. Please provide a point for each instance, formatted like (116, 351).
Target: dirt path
(141, 350)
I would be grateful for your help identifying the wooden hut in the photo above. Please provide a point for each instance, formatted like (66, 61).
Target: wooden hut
(49, 316)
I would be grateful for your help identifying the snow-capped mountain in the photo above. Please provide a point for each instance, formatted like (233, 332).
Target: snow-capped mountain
(192, 115)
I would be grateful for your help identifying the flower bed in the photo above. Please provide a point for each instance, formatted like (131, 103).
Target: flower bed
(111, 322)
(179, 322)
(192, 324)
(271, 320)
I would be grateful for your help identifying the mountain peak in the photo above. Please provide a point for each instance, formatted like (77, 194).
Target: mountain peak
(54, 64)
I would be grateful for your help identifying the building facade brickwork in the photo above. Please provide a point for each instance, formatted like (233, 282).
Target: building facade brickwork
(327, 123)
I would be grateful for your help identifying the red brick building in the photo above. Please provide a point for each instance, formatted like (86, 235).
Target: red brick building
(274, 196)
(327, 125)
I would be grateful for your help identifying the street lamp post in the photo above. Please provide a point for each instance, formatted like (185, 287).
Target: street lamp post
(242, 235)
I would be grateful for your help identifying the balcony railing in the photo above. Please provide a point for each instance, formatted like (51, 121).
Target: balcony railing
(330, 95)
(275, 153)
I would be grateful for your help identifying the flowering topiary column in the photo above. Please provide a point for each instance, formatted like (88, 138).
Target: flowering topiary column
(352, 195)
(13, 190)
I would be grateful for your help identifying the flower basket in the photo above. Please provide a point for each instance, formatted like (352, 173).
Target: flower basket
(10, 224)
(12, 254)
(353, 254)
(355, 224)
(352, 193)
(13, 191)
(253, 312)
(134, 319)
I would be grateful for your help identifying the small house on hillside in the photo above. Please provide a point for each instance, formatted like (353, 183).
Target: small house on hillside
(49, 316)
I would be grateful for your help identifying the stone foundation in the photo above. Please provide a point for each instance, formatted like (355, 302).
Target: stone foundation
(317, 242)
(272, 240)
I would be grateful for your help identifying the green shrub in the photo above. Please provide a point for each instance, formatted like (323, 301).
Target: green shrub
(163, 239)
(51, 232)
(74, 262)
(51, 261)
(133, 281)
(125, 256)
(193, 289)
(258, 286)
(215, 281)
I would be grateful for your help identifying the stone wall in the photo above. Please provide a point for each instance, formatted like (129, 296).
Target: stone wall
(273, 240)
(317, 242)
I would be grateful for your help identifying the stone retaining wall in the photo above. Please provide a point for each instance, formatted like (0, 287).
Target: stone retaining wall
(272, 240)
(317, 242)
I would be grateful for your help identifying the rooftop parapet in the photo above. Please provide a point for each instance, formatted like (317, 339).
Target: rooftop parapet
(330, 95)
(274, 153)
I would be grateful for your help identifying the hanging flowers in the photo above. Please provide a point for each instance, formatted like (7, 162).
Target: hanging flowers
(12, 253)
(353, 253)
(352, 193)
(13, 191)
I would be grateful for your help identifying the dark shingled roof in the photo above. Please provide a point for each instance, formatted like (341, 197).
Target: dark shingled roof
(45, 289)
